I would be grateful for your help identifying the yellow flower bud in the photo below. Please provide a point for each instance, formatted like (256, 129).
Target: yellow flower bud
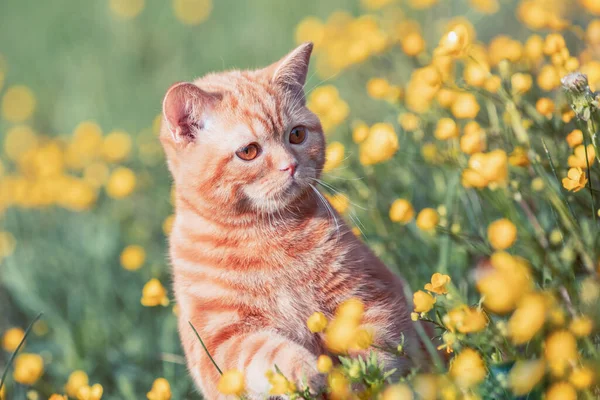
(316, 322)
(446, 129)
(324, 364)
(12, 337)
(427, 219)
(402, 211)
(468, 368)
(502, 234)
(133, 257)
(423, 301)
(581, 326)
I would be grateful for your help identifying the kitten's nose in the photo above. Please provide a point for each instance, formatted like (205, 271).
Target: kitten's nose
(291, 167)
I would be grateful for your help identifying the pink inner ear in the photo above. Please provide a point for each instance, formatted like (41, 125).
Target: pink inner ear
(182, 108)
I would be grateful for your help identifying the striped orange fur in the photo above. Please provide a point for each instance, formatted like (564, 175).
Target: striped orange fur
(254, 249)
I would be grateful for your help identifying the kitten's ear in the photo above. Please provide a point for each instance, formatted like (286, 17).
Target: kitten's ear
(185, 108)
(291, 71)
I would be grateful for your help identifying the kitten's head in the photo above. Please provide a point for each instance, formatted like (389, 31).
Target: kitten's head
(244, 139)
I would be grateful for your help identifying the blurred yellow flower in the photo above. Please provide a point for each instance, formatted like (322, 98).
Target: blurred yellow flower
(582, 377)
(518, 157)
(18, 103)
(11, 338)
(167, 225)
(310, 29)
(93, 392)
(501, 234)
(334, 155)
(455, 42)
(379, 88)
(325, 101)
(28, 368)
(351, 309)
(324, 364)
(446, 129)
(534, 48)
(422, 4)
(476, 74)
(161, 390)
(55, 396)
(154, 294)
(446, 97)
(575, 138)
(581, 326)
(116, 146)
(467, 368)
(545, 106)
(380, 145)
(339, 386)
(423, 301)
(409, 122)
(85, 146)
(592, 32)
(19, 140)
(465, 106)
(521, 83)
(438, 283)
(121, 183)
(126, 9)
(561, 391)
(427, 219)
(548, 78)
(473, 139)
(340, 202)
(578, 158)
(492, 84)
(560, 349)
(402, 211)
(280, 385)
(525, 375)
(317, 322)
(96, 174)
(133, 257)
(398, 391)
(375, 4)
(413, 44)
(575, 180)
(486, 168)
(76, 381)
(360, 131)
(485, 6)
(7, 244)
(192, 12)
(425, 386)
(528, 318)
(466, 319)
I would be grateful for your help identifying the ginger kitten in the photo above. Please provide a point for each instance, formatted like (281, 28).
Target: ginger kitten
(254, 248)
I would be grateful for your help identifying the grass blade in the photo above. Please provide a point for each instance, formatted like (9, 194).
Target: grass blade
(205, 349)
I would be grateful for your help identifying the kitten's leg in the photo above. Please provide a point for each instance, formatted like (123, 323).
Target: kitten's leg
(256, 353)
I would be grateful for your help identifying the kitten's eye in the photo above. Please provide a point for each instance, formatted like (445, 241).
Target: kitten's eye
(298, 135)
(248, 153)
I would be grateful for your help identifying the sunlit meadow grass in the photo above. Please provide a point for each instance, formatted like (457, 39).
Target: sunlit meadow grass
(455, 152)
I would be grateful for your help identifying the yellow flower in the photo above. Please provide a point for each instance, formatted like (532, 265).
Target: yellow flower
(232, 382)
(167, 225)
(492, 84)
(545, 106)
(525, 375)
(398, 391)
(413, 44)
(455, 42)
(351, 309)
(582, 377)
(402, 211)
(465, 106)
(380, 145)
(476, 74)
(425, 386)
(133, 257)
(578, 159)
(560, 351)
(310, 29)
(18, 103)
(528, 318)
(93, 392)
(466, 320)
(438, 283)
(378, 88)
(324, 364)
(339, 202)
(76, 381)
(360, 131)
(581, 326)
(317, 322)
(334, 155)
(548, 78)
(446, 97)
(575, 138)
(485, 6)
(521, 82)
(28, 368)
(12, 337)
(154, 294)
(575, 180)
(519, 157)
(116, 146)
(423, 301)
(486, 168)
(561, 391)
(279, 384)
(409, 122)
(121, 183)
(96, 174)
(446, 129)
(161, 390)
(467, 368)
(55, 396)
(192, 12)
(502, 234)
(19, 140)
(427, 219)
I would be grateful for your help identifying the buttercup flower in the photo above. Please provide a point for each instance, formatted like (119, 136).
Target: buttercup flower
(93, 392)
(581, 326)
(121, 183)
(399, 391)
(28, 368)
(55, 396)
(446, 129)
(455, 42)
(231, 382)
(575, 138)
(575, 180)
(161, 390)
(560, 351)
(525, 375)
(467, 368)
(324, 364)
(473, 139)
(402, 211)
(502, 234)
(340, 202)
(578, 159)
(582, 377)
(360, 131)
(12, 338)
(465, 106)
(279, 384)
(76, 381)
(409, 122)
(317, 322)
(438, 283)
(423, 301)
(561, 391)
(154, 294)
(528, 318)
(466, 320)
(133, 257)
(380, 145)
(427, 219)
